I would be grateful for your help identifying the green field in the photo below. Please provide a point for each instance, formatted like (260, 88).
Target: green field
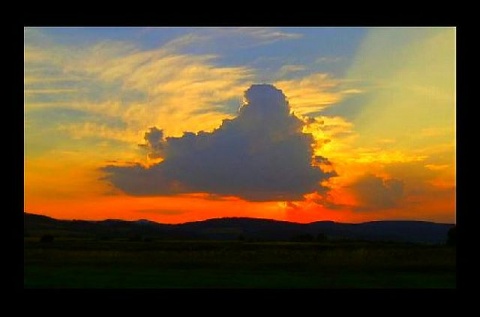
(90, 263)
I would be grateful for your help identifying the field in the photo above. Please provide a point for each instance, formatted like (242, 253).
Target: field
(93, 263)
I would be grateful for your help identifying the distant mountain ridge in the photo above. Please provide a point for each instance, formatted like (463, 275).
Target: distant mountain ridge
(240, 228)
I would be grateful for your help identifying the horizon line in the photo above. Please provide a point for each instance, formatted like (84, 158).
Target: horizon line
(252, 218)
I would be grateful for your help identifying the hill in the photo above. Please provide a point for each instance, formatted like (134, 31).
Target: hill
(234, 228)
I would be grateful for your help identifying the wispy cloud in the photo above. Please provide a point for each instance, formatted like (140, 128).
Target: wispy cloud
(436, 167)
(288, 69)
(267, 35)
(328, 59)
(140, 87)
(312, 93)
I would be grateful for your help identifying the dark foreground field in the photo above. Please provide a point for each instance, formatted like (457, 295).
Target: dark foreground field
(80, 263)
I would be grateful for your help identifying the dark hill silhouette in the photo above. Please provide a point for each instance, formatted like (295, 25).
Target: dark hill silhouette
(233, 228)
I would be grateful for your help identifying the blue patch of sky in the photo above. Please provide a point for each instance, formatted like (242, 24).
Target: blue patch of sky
(145, 38)
(329, 50)
(320, 50)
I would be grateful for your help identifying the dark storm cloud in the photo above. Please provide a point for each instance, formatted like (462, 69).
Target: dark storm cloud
(376, 193)
(260, 155)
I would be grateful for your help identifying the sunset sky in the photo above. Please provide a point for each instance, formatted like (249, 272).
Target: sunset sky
(343, 124)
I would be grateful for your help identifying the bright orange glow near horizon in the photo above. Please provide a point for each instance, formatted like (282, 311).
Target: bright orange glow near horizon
(172, 125)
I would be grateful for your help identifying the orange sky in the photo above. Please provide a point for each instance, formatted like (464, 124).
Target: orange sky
(384, 109)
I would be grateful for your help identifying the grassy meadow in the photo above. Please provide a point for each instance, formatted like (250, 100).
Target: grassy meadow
(122, 263)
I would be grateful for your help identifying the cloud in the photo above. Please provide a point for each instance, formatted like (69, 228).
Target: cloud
(205, 39)
(248, 37)
(50, 91)
(436, 167)
(377, 193)
(288, 70)
(269, 34)
(124, 82)
(328, 59)
(314, 93)
(261, 155)
(154, 143)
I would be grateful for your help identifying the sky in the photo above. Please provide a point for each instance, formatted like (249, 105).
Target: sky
(190, 123)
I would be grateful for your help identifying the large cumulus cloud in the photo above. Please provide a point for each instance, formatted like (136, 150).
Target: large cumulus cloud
(260, 155)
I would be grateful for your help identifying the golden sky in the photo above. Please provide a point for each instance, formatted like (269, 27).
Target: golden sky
(114, 120)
